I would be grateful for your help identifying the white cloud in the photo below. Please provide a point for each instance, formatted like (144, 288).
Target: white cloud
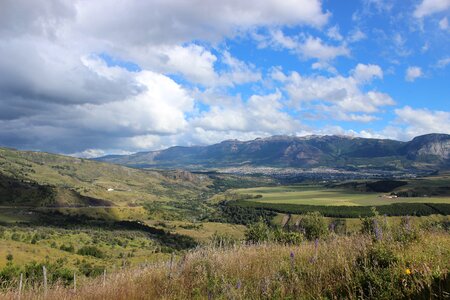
(429, 7)
(238, 72)
(416, 122)
(442, 63)
(160, 109)
(356, 36)
(315, 48)
(443, 23)
(412, 73)
(366, 73)
(339, 95)
(333, 33)
(260, 113)
(176, 21)
(192, 61)
(308, 47)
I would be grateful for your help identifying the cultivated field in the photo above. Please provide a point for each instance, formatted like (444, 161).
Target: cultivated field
(320, 195)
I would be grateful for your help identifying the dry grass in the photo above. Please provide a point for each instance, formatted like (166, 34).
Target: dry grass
(341, 267)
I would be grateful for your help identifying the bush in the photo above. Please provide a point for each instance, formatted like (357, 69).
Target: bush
(68, 248)
(406, 232)
(222, 240)
(313, 225)
(91, 251)
(8, 273)
(258, 232)
(287, 237)
(374, 225)
(381, 256)
(338, 226)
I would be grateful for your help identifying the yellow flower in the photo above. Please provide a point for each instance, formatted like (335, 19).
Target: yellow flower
(408, 271)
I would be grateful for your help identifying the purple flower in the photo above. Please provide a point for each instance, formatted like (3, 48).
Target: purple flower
(238, 284)
(292, 259)
(332, 226)
(408, 224)
(378, 230)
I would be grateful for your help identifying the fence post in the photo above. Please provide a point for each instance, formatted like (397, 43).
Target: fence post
(44, 270)
(74, 282)
(104, 277)
(20, 285)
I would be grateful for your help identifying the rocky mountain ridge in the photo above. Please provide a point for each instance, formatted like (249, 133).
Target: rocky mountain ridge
(431, 151)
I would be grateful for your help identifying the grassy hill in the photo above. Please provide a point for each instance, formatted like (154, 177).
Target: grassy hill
(43, 179)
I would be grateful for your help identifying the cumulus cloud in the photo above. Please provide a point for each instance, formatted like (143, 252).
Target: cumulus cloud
(333, 33)
(59, 93)
(443, 23)
(366, 73)
(414, 122)
(338, 95)
(260, 113)
(429, 7)
(412, 73)
(177, 21)
(307, 47)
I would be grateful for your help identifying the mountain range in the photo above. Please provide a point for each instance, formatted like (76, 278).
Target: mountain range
(425, 152)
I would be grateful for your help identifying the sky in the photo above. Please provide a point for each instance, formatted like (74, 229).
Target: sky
(95, 77)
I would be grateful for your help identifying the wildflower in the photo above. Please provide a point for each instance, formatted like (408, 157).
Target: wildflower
(292, 259)
(407, 223)
(378, 230)
(408, 271)
(238, 284)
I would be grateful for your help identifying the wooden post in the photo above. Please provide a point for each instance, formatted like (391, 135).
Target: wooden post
(74, 282)
(20, 285)
(170, 265)
(104, 277)
(44, 270)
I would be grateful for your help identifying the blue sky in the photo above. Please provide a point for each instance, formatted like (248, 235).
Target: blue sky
(89, 78)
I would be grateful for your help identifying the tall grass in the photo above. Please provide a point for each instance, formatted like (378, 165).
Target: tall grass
(351, 267)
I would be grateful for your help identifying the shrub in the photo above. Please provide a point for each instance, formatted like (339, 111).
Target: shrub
(68, 248)
(406, 232)
(287, 237)
(381, 256)
(258, 232)
(375, 225)
(9, 273)
(314, 225)
(91, 251)
(222, 240)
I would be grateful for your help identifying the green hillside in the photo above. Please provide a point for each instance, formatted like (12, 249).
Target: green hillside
(42, 179)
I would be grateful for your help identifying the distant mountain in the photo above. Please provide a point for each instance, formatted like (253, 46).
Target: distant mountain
(428, 152)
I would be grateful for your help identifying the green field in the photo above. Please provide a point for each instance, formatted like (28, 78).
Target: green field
(319, 195)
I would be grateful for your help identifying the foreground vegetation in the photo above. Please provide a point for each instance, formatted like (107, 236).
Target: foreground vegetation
(336, 267)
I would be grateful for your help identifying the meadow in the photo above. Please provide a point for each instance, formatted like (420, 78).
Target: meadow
(336, 267)
(352, 199)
